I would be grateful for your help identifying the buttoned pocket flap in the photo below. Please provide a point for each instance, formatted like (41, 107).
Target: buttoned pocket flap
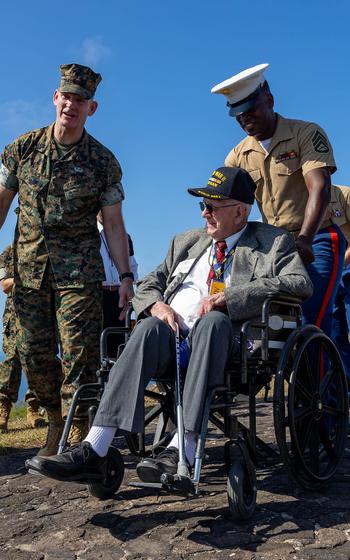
(255, 175)
(288, 167)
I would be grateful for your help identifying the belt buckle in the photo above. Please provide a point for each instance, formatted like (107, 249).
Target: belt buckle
(110, 288)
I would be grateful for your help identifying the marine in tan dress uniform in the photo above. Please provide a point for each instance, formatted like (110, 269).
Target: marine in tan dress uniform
(63, 177)
(291, 162)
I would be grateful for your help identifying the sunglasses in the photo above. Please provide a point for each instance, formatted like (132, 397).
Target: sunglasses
(211, 208)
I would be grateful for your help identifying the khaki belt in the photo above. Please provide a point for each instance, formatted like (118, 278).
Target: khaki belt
(325, 223)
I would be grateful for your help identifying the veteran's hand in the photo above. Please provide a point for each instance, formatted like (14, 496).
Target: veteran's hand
(165, 313)
(216, 301)
(126, 293)
(304, 248)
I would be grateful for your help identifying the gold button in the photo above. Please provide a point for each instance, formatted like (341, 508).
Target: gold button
(273, 199)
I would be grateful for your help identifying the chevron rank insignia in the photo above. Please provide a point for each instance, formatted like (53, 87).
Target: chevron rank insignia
(320, 143)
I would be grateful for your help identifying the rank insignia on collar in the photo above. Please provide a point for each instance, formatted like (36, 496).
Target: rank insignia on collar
(320, 143)
(337, 213)
(78, 169)
(286, 156)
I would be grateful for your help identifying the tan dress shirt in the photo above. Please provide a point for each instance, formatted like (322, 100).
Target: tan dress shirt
(296, 148)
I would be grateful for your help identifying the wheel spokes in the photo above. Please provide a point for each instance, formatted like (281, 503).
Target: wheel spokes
(326, 442)
(307, 376)
(302, 413)
(304, 434)
(314, 448)
(302, 391)
(326, 381)
(333, 411)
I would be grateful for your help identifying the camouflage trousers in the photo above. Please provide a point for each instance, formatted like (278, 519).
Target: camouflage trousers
(11, 367)
(70, 316)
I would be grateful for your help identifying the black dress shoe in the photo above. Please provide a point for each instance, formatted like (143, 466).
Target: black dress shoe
(150, 470)
(79, 463)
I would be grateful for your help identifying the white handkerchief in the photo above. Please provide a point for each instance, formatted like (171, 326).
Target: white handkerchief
(183, 267)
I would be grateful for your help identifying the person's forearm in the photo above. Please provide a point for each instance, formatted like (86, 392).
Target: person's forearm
(118, 245)
(318, 184)
(347, 257)
(6, 197)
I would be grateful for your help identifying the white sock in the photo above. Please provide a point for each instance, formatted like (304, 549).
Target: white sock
(100, 439)
(174, 441)
(190, 444)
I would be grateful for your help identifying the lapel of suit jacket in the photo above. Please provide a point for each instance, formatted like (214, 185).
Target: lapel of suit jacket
(244, 260)
(194, 253)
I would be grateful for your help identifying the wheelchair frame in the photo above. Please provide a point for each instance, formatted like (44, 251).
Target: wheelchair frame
(310, 406)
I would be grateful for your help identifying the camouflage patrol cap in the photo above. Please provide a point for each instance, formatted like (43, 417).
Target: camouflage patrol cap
(79, 79)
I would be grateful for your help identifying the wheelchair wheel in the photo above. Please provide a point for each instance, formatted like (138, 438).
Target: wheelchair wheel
(113, 476)
(311, 407)
(241, 489)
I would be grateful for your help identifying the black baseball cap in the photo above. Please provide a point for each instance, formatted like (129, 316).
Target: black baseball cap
(228, 182)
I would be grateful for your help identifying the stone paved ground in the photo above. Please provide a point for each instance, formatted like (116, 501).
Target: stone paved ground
(41, 519)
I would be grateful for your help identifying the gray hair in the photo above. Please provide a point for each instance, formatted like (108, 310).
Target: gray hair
(248, 208)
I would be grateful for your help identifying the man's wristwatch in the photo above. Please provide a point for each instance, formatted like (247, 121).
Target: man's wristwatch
(126, 275)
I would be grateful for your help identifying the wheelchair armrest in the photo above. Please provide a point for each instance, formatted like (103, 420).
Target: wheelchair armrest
(282, 298)
(126, 330)
(129, 312)
(285, 301)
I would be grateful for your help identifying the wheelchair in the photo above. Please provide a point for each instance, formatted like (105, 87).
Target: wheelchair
(310, 410)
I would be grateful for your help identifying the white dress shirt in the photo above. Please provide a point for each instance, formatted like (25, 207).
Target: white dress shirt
(195, 287)
(111, 273)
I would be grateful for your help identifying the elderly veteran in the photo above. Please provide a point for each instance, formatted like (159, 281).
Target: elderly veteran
(291, 162)
(211, 280)
(63, 177)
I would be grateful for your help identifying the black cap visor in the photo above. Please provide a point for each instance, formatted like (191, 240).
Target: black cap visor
(237, 110)
(246, 104)
(207, 192)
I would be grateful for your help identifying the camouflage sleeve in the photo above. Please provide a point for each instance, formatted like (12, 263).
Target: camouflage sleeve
(6, 263)
(113, 192)
(2, 267)
(315, 149)
(9, 166)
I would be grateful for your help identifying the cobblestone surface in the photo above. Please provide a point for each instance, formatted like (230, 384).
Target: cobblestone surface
(41, 519)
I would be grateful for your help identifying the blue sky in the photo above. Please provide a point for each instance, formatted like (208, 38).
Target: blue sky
(159, 60)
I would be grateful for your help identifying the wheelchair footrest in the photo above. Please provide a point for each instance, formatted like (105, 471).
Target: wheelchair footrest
(156, 485)
(139, 484)
(174, 484)
(177, 484)
(37, 473)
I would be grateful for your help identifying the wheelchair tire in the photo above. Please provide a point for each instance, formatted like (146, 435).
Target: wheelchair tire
(113, 477)
(241, 489)
(311, 420)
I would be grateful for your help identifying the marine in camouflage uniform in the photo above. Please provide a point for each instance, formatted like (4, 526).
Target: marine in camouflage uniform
(63, 177)
(11, 367)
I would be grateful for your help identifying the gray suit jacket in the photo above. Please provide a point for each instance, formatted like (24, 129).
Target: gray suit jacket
(265, 261)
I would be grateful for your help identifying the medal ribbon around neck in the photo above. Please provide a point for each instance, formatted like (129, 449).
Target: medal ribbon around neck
(219, 267)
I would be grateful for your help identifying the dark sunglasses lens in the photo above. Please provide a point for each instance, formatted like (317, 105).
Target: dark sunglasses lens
(207, 207)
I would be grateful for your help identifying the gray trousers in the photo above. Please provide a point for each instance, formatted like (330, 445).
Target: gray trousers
(150, 354)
